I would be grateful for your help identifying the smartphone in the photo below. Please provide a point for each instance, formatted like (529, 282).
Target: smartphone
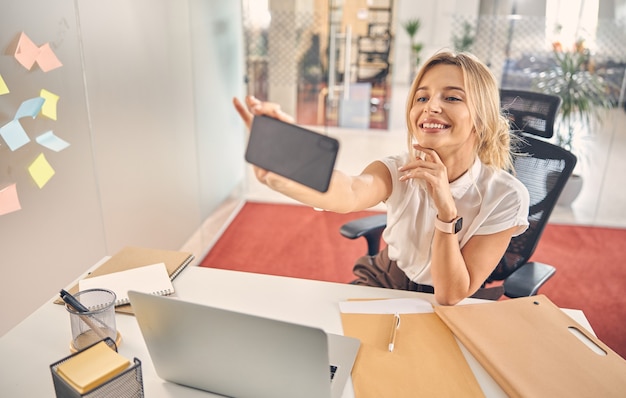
(292, 151)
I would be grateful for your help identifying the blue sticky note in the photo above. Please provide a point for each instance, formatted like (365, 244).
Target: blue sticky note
(51, 141)
(30, 107)
(14, 135)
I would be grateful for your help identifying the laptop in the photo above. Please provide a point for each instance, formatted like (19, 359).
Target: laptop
(241, 355)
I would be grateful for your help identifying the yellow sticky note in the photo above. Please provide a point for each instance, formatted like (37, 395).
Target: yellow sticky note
(92, 367)
(41, 171)
(3, 86)
(49, 107)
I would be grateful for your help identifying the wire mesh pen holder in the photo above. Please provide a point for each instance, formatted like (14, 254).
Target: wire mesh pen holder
(128, 384)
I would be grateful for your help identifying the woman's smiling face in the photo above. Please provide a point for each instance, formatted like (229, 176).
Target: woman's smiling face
(440, 116)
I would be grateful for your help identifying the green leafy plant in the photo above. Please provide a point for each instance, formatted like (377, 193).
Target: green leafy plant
(411, 27)
(584, 93)
(465, 41)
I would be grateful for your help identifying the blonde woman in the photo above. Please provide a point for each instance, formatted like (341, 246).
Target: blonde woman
(452, 204)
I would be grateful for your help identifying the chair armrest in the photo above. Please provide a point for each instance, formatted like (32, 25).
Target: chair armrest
(363, 226)
(527, 279)
(371, 228)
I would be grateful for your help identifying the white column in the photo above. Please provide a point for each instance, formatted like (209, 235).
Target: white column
(282, 52)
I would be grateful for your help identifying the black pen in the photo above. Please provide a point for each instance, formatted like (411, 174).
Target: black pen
(72, 302)
(81, 309)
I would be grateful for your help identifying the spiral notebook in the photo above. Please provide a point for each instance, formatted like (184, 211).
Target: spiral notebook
(152, 279)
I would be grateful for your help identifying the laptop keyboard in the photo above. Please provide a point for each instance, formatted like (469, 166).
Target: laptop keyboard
(333, 370)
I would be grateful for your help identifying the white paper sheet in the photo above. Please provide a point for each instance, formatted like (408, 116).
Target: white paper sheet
(147, 279)
(386, 306)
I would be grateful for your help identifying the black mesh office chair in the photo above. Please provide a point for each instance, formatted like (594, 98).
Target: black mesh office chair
(531, 113)
(542, 167)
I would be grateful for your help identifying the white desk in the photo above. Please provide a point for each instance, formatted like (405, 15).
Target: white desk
(27, 350)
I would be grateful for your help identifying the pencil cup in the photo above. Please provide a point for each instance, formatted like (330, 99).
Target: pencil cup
(96, 324)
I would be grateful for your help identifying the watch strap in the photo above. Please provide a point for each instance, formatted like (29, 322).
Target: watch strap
(451, 227)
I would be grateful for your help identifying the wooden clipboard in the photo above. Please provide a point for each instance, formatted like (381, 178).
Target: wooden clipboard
(528, 347)
(426, 360)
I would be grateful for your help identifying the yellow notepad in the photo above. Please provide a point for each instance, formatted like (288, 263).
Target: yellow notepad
(92, 367)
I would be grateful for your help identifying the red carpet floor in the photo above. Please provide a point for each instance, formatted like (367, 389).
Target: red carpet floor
(300, 242)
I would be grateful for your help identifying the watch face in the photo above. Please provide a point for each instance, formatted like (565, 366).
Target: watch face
(458, 225)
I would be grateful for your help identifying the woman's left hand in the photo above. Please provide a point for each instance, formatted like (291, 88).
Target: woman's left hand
(434, 173)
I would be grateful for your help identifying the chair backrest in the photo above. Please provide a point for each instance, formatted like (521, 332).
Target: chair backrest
(542, 167)
(531, 112)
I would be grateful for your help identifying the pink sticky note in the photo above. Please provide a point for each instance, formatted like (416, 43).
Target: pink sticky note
(26, 52)
(9, 201)
(46, 59)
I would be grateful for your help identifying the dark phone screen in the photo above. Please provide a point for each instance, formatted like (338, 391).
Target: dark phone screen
(293, 152)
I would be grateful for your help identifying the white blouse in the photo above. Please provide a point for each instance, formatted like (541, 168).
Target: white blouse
(490, 200)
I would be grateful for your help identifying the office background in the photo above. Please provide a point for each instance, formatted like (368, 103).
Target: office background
(156, 151)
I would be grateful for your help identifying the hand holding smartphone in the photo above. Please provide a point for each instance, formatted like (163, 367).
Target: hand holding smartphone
(292, 151)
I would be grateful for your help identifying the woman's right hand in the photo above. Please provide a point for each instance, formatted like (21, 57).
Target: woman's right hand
(253, 106)
(346, 193)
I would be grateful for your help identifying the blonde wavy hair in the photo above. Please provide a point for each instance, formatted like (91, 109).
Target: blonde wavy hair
(494, 142)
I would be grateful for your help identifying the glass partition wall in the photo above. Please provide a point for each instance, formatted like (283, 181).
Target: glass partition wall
(327, 62)
(330, 62)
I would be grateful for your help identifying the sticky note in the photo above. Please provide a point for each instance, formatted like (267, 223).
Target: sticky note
(4, 89)
(46, 59)
(26, 52)
(49, 107)
(92, 367)
(30, 107)
(51, 141)
(41, 171)
(14, 135)
(9, 200)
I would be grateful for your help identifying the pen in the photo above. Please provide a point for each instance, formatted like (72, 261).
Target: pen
(394, 331)
(80, 308)
(72, 302)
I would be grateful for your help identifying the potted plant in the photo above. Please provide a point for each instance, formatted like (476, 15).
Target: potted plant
(584, 94)
(411, 27)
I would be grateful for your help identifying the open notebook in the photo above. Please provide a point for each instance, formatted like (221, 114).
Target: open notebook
(152, 279)
(133, 257)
